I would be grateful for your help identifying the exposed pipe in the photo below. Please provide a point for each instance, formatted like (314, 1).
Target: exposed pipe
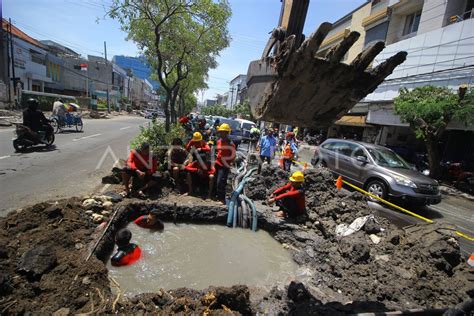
(254, 212)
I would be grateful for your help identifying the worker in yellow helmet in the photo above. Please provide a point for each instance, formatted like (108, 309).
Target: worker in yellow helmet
(225, 156)
(198, 144)
(290, 197)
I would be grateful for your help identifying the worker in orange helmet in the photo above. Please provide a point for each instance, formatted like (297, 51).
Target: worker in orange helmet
(290, 197)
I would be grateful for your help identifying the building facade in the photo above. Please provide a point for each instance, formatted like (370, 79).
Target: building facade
(436, 34)
(236, 86)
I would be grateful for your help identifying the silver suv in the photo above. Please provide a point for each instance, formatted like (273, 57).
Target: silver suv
(378, 170)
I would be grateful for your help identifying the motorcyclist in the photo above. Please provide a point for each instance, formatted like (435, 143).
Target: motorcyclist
(35, 120)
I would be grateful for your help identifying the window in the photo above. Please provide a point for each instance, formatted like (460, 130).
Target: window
(359, 152)
(345, 149)
(36, 58)
(377, 33)
(411, 23)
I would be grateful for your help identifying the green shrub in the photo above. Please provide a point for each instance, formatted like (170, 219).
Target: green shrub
(155, 135)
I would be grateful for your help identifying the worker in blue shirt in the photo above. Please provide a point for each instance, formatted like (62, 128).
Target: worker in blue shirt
(267, 146)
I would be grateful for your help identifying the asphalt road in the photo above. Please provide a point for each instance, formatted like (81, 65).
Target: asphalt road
(74, 167)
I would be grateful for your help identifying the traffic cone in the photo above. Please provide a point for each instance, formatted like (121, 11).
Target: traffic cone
(470, 261)
(339, 183)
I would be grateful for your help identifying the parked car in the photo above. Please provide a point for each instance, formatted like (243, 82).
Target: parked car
(378, 170)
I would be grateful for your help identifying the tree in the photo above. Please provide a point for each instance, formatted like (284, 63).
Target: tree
(429, 110)
(178, 37)
(243, 110)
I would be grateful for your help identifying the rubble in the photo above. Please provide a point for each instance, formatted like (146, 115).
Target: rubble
(417, 267)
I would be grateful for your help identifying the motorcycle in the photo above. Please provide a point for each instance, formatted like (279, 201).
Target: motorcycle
(70, 120)
(25, 138)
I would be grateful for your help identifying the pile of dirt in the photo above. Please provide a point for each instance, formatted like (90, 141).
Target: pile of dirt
(43, 267)
(398, 269)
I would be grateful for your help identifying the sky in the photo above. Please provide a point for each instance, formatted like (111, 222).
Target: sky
(82, 26)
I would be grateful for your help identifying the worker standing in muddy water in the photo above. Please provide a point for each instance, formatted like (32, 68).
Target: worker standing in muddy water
(150, 221)
(290, 197)
(199, 173)
(127, 252)
(225, 156)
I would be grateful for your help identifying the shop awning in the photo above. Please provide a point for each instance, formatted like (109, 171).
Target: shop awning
(384, 117)
(352, 120)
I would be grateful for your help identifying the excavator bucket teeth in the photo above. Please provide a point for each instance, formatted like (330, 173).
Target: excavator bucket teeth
(296, 87)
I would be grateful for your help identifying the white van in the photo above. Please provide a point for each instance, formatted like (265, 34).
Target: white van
(245, 126)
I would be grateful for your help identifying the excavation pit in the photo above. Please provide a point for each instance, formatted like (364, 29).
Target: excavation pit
(199, 256)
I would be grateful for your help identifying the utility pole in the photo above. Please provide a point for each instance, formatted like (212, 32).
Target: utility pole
(5, 56)
(13, 57)
(106, 64)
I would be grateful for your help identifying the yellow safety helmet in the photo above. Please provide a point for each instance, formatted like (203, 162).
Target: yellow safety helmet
(297, 176)
(197, 137)
(224, 128)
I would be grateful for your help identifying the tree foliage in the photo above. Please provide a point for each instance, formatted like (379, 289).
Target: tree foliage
(180, 38)
(429, 110)
(241, 110)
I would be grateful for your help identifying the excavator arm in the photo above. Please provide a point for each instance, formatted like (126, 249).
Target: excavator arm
(289, 84)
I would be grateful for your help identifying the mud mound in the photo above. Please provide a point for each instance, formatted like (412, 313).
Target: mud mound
(43, 268)
(268, 180)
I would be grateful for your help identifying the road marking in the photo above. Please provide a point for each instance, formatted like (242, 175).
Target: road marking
(126, 127)
(3, 157)
(85, 137)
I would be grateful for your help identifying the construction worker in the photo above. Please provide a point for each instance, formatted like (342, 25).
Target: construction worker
(150, 221)
(254, 137)
(290, 197)
(267, 146)
(289, 151)
(200, 172)
(141, 164)
(127, 253)
(198, 144)
(177, 159)
(225, 151)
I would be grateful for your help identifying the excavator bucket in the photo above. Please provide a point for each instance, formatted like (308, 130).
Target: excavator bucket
(295, 87)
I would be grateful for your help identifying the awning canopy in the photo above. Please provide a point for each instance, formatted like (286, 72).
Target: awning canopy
(352, 120)
(384, 117)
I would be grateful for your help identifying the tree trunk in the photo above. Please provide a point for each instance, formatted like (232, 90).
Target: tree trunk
(174, 95)
(433, 158)
(166, 109)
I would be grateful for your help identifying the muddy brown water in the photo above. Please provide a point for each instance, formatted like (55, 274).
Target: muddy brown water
(198, 256)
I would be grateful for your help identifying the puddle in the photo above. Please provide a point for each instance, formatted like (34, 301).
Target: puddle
(198, 256)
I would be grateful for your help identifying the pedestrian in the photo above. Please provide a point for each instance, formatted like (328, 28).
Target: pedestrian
(289, 151)
(226, 152)
(127, 252)
(141, 165)
(267, 146)
(290, 197)
(199, 174)
(150, 221)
